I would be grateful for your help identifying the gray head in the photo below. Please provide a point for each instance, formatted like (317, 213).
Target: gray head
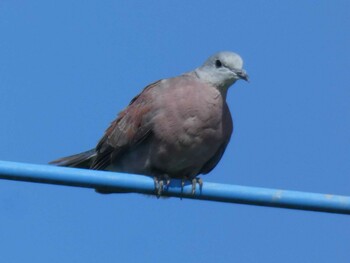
(222, 70)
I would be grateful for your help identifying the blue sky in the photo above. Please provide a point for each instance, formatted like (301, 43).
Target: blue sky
(68, 67)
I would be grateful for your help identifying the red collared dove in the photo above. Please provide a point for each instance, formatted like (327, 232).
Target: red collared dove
(175, 128)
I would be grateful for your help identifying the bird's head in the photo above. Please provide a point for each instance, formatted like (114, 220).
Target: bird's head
(222, 70)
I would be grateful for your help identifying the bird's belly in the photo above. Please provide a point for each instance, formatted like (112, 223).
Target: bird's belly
(186, 153)
(180, 156)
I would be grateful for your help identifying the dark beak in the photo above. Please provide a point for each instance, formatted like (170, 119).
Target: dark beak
(242, 75)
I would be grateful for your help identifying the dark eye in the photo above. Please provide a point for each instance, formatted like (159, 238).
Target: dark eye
(218, 63)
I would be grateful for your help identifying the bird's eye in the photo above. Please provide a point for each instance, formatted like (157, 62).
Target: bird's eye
(218, 63)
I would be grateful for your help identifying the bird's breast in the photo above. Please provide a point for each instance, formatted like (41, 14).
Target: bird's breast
(189, 125)
(190, 117)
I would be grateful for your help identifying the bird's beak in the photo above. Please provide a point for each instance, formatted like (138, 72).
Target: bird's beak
(242, 75)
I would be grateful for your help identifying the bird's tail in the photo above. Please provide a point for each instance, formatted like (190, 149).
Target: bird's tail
(80, 160)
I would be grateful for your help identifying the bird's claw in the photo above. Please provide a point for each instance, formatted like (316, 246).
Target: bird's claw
(161, 182)
(196, 181)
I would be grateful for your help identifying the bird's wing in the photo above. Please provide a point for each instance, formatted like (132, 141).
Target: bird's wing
(211, 163)
(128, 130)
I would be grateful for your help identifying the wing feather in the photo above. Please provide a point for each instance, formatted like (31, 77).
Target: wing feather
(129, 129)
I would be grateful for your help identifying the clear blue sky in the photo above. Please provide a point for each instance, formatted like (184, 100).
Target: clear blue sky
(68, 67)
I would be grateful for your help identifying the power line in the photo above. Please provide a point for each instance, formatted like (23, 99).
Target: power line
(122, 182)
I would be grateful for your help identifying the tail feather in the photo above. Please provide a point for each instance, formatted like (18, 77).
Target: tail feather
(80, 160)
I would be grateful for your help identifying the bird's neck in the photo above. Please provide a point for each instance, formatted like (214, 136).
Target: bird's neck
(209, 78)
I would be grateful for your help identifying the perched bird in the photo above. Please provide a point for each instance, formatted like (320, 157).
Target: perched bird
(175, 128)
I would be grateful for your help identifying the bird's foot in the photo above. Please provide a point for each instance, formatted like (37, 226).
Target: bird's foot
(196, 181)
(182, 186)
(160, 182)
